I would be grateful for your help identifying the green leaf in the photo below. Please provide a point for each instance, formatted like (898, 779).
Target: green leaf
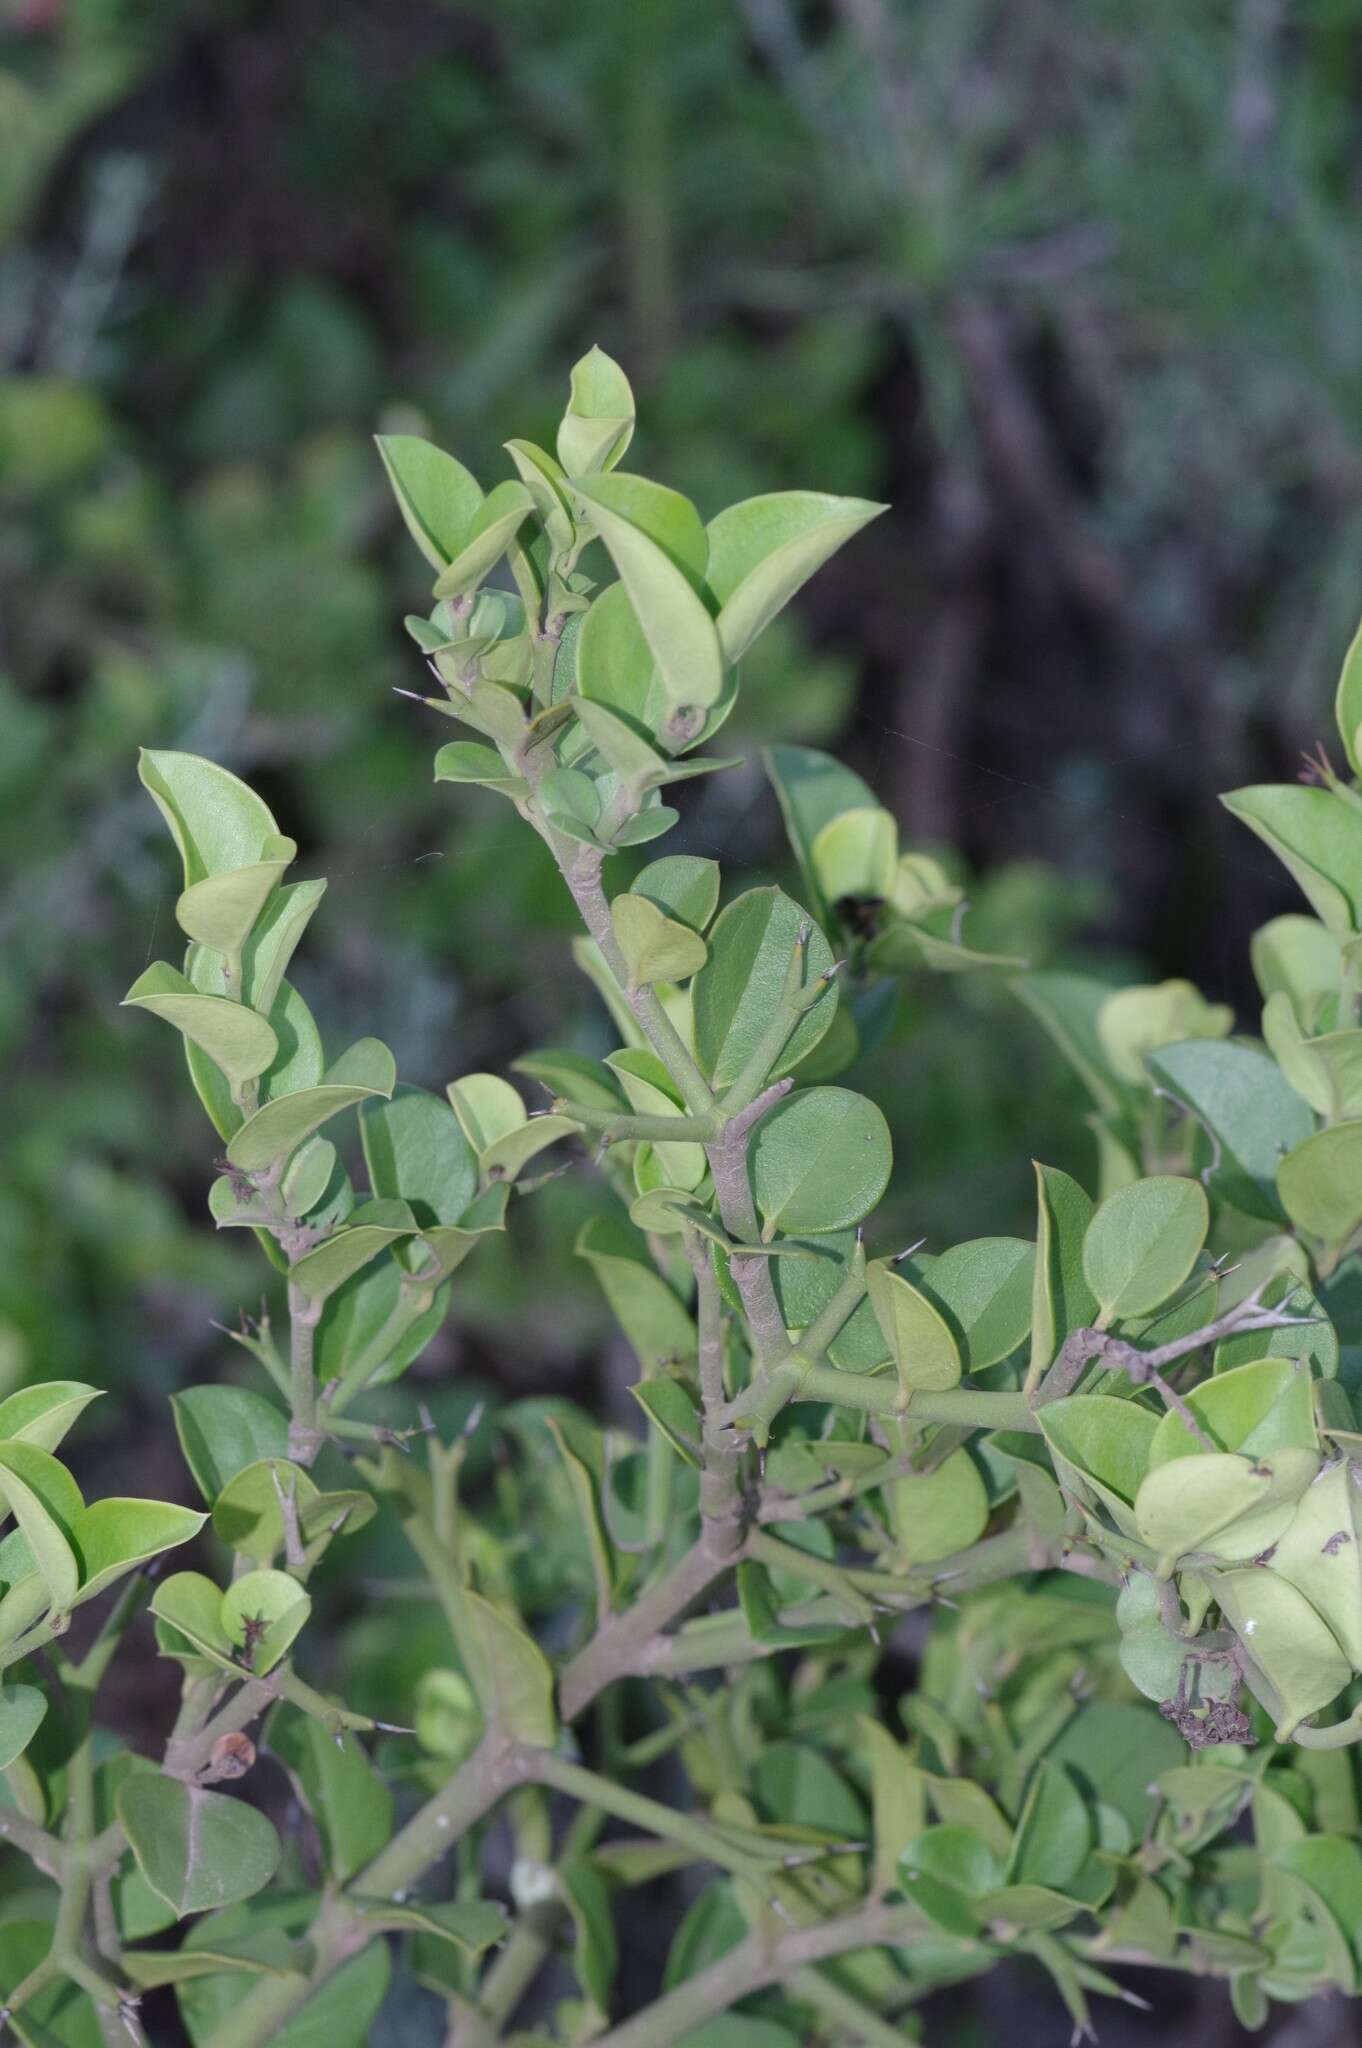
(917, 1335)
(983, 1288)
(651, 1092)
(216, 821)
(598, 425)
(1348, 704)
(765, 549)
(898, 1798)
(238, 1041)
(487, 1107)
(595, 1950)
(1250, 1110)
(654, 1321)
(743, 981)
(320, 1272)
(1068, 1007)
(262, 1614)
(274, 940)
(190, 1605)
(1102, 1438)
(508, 1157)
(438, 497)
(1061, 1299)
(936, 1513)
(494, 526)
(46, 1503)
(1054, 1833)
(1286, 1639)
(224, 1429)
(673, 1409)
(1330, 1869)
(812, 788)
(356, 1317)
(1115, 1749)
(417, 1152)
(247, 1515)
(509, 1672)
(944, 1872)
(22, 1708)
(114, 1536)
(1257, 1408)
(547, 485)
(1320, 1182)
(820, 1160)
(220, 912)
(449, 1244)
(1134, 1022)
(647, 531)
(655, 947)
(1142, 1244)
(43, 1414)
(1317, 835)
(573, 1075)
(279, 1127)
(196, 1849)
(1320, 1553)
(466, 761)
(341, 2014)
(855, 855)
(682, 885)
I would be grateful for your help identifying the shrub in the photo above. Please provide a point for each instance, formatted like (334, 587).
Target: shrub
(1113, 1466)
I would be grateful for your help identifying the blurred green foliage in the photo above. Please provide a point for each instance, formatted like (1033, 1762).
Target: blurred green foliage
(1076, 299)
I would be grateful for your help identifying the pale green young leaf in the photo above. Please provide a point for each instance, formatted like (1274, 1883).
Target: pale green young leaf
(812, 788)
(510, 1673)
(113, 1536)
(655, 946)
(47, 1505)
(1348, 704)
(235, 1038)
(262, 1614)
(1257, 1408)
(506, 1158)
(984, 1290)
(648, 538)
(1068, 1007)
(1061, 1299)
(321, 1271)
(684, 886)
(762, 551)
(1320, 1553)
(937, 1513)
(1135, 1021)
(855, 855)
(216, 820)
(1142, 1244)
(221, 910)
(1054, 1833)
(1320, 1182)
(437, 496)
(1317, 835)
(1300, 958)
(495, 524)
(487, 1108)
(598, 425)
(547, 484)
(1236, 1507)
(22, 1708)
(43, 1414)
(196, 1849)
(278, 1127)
(918, 1337)
(191, 1605)
(1280, 1632)
(466, 761)
(673, 1410)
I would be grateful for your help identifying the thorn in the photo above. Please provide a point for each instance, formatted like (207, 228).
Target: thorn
(426, 1418)
(414, 695)
(394, 1728)
(901, 1256)
(475, 1415)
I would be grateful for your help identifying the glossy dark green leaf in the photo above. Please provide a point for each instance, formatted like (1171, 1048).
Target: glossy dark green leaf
(224, 1429)
(683, 885)
(350, 1802)
(749, 956)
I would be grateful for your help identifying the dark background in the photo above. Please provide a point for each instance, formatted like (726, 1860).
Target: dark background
(1075, 287)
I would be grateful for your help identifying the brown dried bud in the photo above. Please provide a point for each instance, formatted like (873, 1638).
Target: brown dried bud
(231, 1756)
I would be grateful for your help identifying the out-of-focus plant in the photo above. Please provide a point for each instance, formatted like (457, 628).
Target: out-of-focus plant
(1120, 1454)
